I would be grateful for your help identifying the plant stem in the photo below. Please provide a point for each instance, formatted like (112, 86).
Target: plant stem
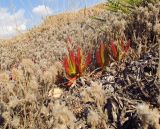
(159, 63)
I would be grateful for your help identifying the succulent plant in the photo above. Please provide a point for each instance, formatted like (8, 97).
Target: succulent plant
(101, 56)
(119, 50)
(75, 65)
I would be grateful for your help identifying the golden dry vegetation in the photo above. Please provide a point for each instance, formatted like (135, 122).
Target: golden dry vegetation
(33, 90)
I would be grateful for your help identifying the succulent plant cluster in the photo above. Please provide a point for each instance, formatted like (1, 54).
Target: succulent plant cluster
(120, 49)
(75, 64)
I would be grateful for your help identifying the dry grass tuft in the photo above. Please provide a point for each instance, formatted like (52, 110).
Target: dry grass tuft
(150, 117)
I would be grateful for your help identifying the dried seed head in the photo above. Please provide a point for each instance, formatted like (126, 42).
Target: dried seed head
(51, 74)
(4, 77)
(13, 101)
(15, 122)
(148, 116)
(48, 77)
(17, 74)
(59, 66)
(30, 97)
(146, 15)
(98, 92)
(86, 96)
(63, 115)
(149, 26)
(95, 93)
(157, 28)
(55, 93)
(93, 118)
(6, 115)
(28, 66)
(44, 110)
(33, 85)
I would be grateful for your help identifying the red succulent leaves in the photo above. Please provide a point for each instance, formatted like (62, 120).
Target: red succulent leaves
(122, 44)
(114, 50)
(74, 65)
(100, 55)
(119, 50)
(80, 65)
(69, 64)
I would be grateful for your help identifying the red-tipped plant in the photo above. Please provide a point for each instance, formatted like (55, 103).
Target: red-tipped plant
(119, 50)
(74, 65)
(101, 56)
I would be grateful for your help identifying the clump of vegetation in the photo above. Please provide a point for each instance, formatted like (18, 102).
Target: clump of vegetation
(119, 50)
(102, 56)
(74, 65)
(126, 6)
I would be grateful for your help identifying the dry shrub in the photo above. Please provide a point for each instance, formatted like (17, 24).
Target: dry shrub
(24, 95)
(149, 117)
(142, 26)
(63, 116)
(95, 93)
(51, 74)
(93, 119)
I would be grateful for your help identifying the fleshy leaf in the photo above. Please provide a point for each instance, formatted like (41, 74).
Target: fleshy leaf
(71, 81)
(102, 47)
(99, 61)
(122, 45)
(74, 64)
(114, 50)
(119, 50)
(100, 55)
(88, 60)
(78, 60)
(72, 57)
(127, 46)
(79, 56)
(121, 55)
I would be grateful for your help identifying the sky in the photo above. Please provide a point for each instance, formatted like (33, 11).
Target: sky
(17, 16)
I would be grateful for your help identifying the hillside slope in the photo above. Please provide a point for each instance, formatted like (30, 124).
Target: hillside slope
(122, 93)
(55, 21)
(49, 38)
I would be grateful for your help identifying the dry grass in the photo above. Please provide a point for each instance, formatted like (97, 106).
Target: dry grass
(33, 92)
(56, 21)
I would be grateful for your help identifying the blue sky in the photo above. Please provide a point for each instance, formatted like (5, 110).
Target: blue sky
(19, 15)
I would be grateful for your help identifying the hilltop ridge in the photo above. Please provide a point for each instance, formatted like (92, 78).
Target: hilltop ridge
(59, 20)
